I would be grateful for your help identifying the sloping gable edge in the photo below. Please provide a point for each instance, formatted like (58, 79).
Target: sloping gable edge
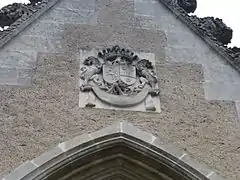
(208, 38)
(23, 22)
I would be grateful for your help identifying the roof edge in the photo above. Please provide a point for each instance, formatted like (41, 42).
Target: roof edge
(208, 38)
(23, 22)
(227, 53)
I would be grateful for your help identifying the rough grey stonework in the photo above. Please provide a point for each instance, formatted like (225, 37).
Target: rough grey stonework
(51, 115)
(183, 46)
(21, 23)
(212, 30)
(34, 119)
(124, 137)
(238, 107)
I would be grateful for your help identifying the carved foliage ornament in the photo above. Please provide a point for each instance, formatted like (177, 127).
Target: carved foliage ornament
(189, 6)
(120, 78)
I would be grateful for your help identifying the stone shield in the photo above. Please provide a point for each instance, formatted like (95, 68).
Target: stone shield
(111, 73)
(128, 74)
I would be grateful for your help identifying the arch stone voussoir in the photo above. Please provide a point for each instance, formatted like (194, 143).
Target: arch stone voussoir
(120, 151)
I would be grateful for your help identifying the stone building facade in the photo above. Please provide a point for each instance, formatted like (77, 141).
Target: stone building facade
(40, 106)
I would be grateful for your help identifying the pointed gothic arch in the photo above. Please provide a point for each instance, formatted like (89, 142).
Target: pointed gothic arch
(120, 151)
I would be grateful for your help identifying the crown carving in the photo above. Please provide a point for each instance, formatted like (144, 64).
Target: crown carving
(110, 54)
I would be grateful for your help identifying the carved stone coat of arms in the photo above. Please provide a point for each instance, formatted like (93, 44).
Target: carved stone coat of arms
(120, 78)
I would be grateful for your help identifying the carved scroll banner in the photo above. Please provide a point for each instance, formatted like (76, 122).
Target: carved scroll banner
(117, 78)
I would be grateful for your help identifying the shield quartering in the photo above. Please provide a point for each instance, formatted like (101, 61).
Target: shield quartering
(111, 73)
(123, 79)
(128, 74)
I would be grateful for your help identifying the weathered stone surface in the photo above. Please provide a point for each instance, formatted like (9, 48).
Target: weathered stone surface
(145, 22)
(212, 30)
(18, 59)
(222, 91)
(200, 167)
(220, 73)
(71, 16)
(19, 19)
(97, 162)
(144, 8)
(51, 112)
(41, 30)
(129, 129)
(33, 119)
(44, 158)
(103, 36)
(21, 171)
(13, 76)
(116, 12)
(182, 46)
(238, 108)
(76, 142)
(215, 176)
(28, 43)
(111, 93)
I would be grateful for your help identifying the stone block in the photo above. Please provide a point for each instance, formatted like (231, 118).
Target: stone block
(166, 20)
(120, 13)
(15, 76)
(44, 29)
(48, 156)
(25, 77)
(104, 35)
(76, 142)
(184, 39)
(222, 91)
(187, 73)
(171, 149)
(145, 22)
(112, 130)
(8, 76)
(144, 8)
(76, 4)
(182, 55)
(21, 171)
(18, 59)
(129, 129)
(215, 176)
(202, 168)
(238, 108)
(85, 36)
(27, 43)
(137, 39)
(220, 73)
(69, 16)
